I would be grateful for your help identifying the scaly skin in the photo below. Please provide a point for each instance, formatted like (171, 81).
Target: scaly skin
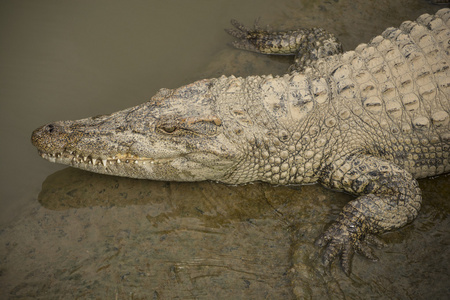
(368, 122)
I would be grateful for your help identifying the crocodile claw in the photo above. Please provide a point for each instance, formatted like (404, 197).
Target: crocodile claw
(343, 241)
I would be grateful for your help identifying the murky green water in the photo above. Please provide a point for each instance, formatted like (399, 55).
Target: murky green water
(66, 233)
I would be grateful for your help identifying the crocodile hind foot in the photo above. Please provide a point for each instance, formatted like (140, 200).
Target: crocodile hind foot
(308, 45)
(388, 198)
(345, 237)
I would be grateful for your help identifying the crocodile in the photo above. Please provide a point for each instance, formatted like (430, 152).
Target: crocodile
(369, 122)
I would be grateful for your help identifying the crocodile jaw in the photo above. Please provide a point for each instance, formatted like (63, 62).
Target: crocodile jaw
(173, 169)
(71, 149)
(132, 142)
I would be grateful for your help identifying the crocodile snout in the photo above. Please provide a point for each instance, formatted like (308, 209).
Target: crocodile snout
(51, 138)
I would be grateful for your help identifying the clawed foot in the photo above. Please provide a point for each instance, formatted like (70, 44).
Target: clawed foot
(248, 39)
(343, 240)
(266, 41)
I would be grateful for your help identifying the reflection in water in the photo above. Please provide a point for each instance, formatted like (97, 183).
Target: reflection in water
(112, 236)
(173, 239)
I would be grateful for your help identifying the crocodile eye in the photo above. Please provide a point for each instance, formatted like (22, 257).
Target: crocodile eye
(169, 128)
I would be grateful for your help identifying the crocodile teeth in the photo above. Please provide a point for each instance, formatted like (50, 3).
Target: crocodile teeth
(74, 158)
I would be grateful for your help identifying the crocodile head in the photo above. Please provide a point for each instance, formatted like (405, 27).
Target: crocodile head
(177, 135)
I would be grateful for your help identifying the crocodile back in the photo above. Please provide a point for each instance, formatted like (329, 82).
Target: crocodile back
(388, 99)
(397, 91)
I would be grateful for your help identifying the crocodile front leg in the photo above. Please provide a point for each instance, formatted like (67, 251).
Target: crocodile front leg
(389, 198)
(307, 45)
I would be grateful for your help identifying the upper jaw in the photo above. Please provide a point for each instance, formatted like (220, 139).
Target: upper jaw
(59, 143)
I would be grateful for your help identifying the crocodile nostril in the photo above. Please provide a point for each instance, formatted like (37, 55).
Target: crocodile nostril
(50, 128)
